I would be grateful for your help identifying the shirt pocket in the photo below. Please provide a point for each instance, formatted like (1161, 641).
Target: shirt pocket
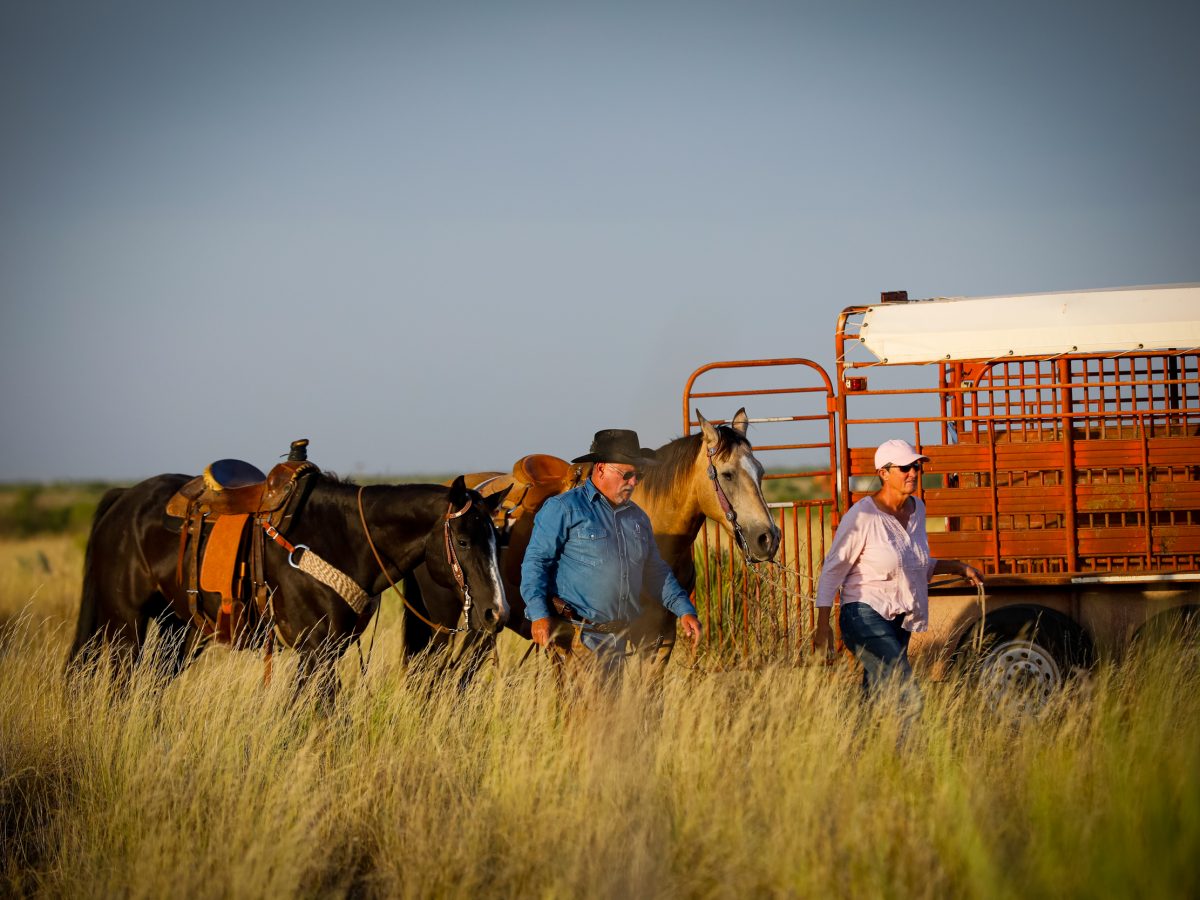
(635, 542)
(588, 544)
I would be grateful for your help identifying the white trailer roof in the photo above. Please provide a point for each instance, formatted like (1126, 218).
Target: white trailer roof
(1116, 320)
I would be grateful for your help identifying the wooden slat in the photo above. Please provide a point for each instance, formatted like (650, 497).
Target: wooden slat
(1103, 454)
(1176, 451)
(1032, 500)
(1112, 541)
(1092, 498)
(1130, 497)
(961, 544)
(862, 461)
(1175, 495)
(1034, 543)
(958, 501)
(1176, 539)
(1030, 457)
(959, 457)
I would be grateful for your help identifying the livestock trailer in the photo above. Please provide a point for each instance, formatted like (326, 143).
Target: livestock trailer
(1063, 431)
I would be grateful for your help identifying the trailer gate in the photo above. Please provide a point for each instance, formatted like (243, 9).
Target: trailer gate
(765, 611)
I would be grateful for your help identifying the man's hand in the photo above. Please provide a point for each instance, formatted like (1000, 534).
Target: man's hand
(541, 631)
(691, 627)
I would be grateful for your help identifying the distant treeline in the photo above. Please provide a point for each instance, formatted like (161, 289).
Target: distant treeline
(32, 509)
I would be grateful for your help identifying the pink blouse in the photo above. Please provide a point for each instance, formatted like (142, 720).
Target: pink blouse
(878, 561)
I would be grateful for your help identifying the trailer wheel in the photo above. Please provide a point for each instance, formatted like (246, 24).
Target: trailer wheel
(1181, 623)
(1027, 654)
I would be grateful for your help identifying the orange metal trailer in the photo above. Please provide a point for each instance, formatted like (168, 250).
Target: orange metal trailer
(1064, 437)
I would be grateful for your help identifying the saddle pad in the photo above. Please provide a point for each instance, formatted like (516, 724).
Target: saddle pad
(219, 567)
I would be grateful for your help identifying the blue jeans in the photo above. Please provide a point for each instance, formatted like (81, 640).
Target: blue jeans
(881, 645)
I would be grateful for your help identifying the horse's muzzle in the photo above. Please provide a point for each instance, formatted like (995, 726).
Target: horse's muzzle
(762, 545)
(493, 620)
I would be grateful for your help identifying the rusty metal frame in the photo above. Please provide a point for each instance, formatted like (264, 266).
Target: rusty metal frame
(759, 615)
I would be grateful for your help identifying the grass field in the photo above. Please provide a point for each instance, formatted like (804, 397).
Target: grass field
(767, 782)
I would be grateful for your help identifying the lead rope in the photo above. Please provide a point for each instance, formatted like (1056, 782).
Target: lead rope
(982, 596)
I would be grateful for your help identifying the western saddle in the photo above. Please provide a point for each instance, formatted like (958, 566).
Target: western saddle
(534, 480)
(220, 550)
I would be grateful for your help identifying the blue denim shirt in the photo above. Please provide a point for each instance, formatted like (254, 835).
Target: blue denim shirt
(597, 558)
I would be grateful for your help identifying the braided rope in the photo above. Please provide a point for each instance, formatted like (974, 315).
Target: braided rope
(346, 587)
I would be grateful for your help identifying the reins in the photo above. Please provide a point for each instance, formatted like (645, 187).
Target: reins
(451, 558)
(349, 590)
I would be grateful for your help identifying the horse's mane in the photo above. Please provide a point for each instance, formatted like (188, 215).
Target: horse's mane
(675, 460)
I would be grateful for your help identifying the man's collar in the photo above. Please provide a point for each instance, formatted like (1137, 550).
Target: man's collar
(593, 493)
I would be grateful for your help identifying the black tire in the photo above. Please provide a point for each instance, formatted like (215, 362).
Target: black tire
(1181, 623)
(1026, 653)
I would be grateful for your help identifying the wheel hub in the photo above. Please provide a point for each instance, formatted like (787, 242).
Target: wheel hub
(1021, 672)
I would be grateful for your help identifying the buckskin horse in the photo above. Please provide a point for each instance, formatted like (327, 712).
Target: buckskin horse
(712, 474)
(134, 567)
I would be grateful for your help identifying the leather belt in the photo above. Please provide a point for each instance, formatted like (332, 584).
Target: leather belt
(564, 609)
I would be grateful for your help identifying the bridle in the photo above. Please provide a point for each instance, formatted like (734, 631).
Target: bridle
(726, 506)
(456, 568)
(460, 577)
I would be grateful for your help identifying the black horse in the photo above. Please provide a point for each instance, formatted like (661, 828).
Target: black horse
(712, 474)
(130, 568)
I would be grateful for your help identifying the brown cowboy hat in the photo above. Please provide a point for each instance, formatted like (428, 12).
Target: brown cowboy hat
(618, 445)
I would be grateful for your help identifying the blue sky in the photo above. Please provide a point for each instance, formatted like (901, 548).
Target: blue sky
(438, 236)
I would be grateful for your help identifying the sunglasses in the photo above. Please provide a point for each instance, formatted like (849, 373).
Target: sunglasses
(905, 469)
(631, 474)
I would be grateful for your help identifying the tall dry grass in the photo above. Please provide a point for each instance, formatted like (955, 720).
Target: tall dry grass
(766, 782)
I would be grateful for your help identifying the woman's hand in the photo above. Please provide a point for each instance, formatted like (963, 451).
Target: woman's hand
(823, 642)
(960, 568)
(972, 575)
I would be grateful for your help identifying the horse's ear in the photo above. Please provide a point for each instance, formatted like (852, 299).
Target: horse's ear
(741, 421)
(492, 501)
(710, 433)
(458, 493)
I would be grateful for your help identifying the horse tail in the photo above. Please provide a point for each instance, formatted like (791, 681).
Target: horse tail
(85, 628)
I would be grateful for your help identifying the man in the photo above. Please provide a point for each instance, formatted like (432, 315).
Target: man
(591, 554)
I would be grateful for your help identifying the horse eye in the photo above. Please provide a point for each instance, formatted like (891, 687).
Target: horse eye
(728, 476)
(462, 542)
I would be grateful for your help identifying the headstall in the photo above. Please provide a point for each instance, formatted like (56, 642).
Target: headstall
(451, 558)
(726, 506)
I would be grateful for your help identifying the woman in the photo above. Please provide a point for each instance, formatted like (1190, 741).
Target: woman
(880, 561)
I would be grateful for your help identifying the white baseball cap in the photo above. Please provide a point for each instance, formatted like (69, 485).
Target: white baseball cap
(896, 453)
